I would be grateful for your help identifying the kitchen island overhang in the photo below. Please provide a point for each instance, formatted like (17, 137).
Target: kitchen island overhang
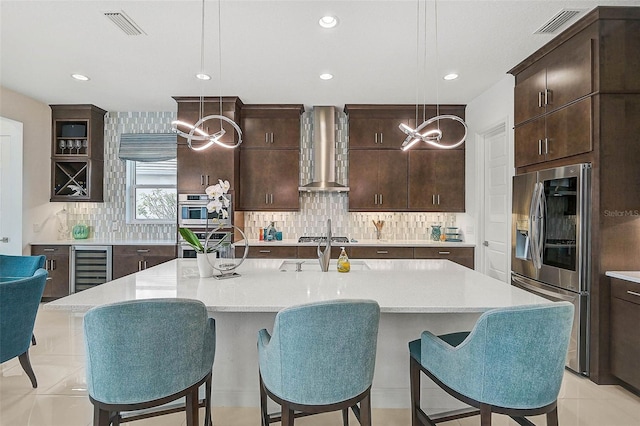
(414, 295)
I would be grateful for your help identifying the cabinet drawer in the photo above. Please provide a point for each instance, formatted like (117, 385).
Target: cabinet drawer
(147, 250)
(381, 252)
(276, 252)
(37, 250)
(311, 252)
(461, 255)
(625, 290)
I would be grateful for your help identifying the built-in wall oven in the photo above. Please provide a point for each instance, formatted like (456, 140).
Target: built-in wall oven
(192, 212)
(550, 253)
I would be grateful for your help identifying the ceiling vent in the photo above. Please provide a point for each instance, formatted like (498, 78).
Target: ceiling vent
(558, 21)
(125, 23)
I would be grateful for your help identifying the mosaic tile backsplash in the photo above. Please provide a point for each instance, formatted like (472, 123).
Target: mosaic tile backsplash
(107, 220)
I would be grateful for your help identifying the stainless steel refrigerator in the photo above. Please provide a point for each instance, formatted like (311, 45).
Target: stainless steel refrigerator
(550, 245)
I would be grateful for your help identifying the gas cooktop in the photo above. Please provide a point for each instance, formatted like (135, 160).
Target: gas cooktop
(320, 239)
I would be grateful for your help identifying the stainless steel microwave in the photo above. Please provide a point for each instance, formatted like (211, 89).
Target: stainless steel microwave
(192, 211)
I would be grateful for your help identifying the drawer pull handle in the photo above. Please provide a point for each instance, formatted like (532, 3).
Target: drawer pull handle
(382, 252)
(633, 293)
(444, 252)
(49, 249)
(265, 251)
(142, 250)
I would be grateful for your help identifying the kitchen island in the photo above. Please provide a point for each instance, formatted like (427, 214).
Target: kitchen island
(414, 295)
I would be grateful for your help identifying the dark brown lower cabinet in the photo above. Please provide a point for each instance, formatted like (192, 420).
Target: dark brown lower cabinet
(625, 339)
(461, 255)
(57, 265)
(389, 252)
(266, 252)
(130, 259)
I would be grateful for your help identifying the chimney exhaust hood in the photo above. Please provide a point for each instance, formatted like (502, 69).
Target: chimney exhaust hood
(324, 152)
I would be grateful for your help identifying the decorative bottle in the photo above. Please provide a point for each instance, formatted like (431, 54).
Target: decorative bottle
(270, 233)
(343, 261)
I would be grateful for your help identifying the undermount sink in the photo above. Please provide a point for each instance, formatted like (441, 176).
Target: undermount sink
(314, 266)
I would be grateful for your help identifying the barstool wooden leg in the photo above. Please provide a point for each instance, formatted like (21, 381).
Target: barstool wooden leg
(263, 404)
(100, 417)
(287, 415)
(485, 415)
(191, 407)
(345, 417)
(552, 417)
(414, 379)
(365, 410)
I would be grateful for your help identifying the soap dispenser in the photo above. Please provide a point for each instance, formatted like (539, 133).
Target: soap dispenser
(343, 261)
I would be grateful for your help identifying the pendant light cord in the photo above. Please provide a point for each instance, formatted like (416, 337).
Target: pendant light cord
(201, 107)
(220, 56)
(435, 4)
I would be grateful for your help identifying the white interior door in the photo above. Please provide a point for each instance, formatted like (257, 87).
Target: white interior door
(497, 206)
(10, 187)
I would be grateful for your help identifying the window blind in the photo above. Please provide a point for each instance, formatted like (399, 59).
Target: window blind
(148, 147)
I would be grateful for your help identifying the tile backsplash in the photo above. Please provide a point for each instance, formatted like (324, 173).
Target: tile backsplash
(107, 220)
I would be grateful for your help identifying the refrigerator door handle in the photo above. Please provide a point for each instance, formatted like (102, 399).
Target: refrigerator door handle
(541, 212)
(533, 225)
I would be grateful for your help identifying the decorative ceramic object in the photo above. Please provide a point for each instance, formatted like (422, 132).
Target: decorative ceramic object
(435, 233)
(204, 266)
(80, 232)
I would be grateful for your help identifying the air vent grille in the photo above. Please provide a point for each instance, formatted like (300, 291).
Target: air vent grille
(559, 20)
(125, 23)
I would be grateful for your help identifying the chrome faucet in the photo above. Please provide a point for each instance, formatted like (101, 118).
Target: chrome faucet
(325, 256)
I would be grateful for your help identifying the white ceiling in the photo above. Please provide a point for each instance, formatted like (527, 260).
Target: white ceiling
(272, 51)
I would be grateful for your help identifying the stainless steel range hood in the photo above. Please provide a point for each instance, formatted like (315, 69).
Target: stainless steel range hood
(324, 152)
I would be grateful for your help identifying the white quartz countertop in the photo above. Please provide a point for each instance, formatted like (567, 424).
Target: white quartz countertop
(633, 276)
(399, 286)
(362, 243)
(101, 242)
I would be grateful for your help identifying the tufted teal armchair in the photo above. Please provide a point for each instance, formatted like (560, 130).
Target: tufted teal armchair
(320, 358)
(20, 266)
(512, 362)
(144, 354)
(19, 301)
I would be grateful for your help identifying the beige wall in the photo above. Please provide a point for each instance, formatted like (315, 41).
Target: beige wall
(36, 167)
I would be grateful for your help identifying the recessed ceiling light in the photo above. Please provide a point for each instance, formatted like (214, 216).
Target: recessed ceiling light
(326, 76)
(80, 77)
(451, 76)
(328, 21)
(202, 76)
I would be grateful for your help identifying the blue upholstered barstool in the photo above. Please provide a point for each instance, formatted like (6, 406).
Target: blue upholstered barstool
(19, 301)
(320, 358)
(147, 353)
(512, 363)
(20, 267)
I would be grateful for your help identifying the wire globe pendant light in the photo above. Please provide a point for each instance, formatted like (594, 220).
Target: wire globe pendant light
(196, 132)
(432, 137)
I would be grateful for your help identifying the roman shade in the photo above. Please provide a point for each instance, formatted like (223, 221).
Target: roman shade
(148, 147)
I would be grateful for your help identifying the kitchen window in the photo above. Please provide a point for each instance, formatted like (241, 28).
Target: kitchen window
(151, 192)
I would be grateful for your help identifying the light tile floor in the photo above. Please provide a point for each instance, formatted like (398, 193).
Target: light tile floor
(61, 398)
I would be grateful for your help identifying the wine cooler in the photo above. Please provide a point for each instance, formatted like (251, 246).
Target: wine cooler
(90, 266)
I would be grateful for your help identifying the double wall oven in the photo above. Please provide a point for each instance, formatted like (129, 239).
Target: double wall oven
(550, 253)
(193, 214)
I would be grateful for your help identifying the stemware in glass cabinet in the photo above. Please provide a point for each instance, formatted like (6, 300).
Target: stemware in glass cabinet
(78, 144)
(62, 144)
